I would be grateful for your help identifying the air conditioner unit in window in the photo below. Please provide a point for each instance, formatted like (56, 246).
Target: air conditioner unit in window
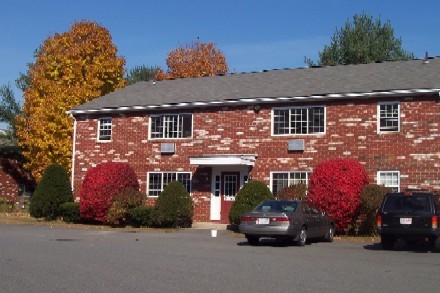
(167, 148)
(295, 145)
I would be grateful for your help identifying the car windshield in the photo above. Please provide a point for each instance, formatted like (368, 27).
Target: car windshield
(407, 203)
(277, 206)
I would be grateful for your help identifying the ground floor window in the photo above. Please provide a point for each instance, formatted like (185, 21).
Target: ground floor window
(389, 179)
(157, 181)
(280, 180)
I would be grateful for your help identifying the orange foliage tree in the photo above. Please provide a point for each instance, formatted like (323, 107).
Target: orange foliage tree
(70, 69)
(195, 60)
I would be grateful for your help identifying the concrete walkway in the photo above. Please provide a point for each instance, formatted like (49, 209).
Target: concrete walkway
(209, 226)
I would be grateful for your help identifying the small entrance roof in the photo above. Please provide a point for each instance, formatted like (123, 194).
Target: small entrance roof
(216, 160)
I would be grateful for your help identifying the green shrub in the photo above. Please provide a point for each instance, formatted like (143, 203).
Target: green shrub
(6, 205)
(174, 207)
(70, 212)
(53, 190)
(125, 200)
(295, 191)
(248, 197)
(140, 216)
(371, 197)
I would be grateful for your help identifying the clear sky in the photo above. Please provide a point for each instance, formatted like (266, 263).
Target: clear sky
(253, 34)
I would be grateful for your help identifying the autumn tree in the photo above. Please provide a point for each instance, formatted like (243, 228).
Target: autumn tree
(364, 41)
(70, 69)
(195, 60)
(141, 73)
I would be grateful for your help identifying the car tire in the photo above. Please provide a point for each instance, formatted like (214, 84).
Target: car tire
(330, 234)
(435, 244)
(302, 237)
(387, 242)
(253, 240)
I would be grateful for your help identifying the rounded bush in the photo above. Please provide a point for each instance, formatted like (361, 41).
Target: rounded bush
(53, 190)
(248, 197)
(295, 191)
(371, 199)
(140, 216)
(127, 199)
(101, 184)
(70, 212)
(174, 207)
(335, 186)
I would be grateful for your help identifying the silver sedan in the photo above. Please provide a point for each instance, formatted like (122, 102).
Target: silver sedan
(295, 220)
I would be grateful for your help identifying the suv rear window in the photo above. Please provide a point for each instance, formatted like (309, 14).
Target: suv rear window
(407, 203)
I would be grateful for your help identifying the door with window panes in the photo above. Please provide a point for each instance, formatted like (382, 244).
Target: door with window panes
(230, 183)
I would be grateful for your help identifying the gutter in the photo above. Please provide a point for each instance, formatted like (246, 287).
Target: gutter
(73, 153)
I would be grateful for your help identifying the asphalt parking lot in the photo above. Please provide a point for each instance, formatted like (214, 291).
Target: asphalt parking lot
(57, 259)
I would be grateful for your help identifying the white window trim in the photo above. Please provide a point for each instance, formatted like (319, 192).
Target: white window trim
(298, 134)
(99, 130)
(378, 116)
(389, 171)
(162, 172)
(169, 138)
(308, 173)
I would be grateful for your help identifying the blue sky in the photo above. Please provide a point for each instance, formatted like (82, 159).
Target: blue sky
(253, 34)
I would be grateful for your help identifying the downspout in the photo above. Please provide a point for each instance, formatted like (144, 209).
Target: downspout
(73, 153)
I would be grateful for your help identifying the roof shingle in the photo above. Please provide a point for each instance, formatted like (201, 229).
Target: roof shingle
(289, 83)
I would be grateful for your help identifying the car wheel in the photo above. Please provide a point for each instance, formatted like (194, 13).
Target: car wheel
(387, 242)
(302, 237)
(330, 234)
(253, 240)
(436, 244)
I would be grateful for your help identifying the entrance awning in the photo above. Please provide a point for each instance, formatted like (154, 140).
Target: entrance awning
(216, 160)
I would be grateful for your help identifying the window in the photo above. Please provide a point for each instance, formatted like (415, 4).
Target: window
(171, 126)
(389, 179)
(303, 120)
(389, 117)
(282, 180)
(105, 129)
(157, 181)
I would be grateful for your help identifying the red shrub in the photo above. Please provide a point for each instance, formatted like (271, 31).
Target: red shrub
(335, 186)
(100, 185)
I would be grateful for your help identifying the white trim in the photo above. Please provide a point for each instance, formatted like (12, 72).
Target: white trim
(379, 117)
(329, 96)
(222, 160)
(390, 172)
(99, 129)
(298, 107)
(72, 170)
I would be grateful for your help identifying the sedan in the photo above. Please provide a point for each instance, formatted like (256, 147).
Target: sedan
(295, 220)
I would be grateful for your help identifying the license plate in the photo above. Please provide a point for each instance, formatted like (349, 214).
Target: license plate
(406, 221)
(263, 221)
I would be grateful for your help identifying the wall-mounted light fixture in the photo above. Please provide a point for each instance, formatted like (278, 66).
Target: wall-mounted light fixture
(257, 108)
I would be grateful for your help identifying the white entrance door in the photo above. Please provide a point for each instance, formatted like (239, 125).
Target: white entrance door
(216, 200)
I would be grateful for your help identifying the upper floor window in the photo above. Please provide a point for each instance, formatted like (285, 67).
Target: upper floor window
(281, 180)
(301, 120)
(157, 181)
(388, 117)
(105, 129)
(171, 126)
(389, 179)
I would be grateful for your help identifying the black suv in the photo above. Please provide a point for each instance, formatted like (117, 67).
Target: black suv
(409, 216)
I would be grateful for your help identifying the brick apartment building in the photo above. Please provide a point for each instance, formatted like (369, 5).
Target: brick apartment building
(215, 133)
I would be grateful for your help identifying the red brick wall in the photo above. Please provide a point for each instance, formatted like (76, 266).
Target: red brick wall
(11, 176)
(351, 132)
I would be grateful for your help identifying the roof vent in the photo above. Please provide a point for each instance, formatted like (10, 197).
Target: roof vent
(426, 60)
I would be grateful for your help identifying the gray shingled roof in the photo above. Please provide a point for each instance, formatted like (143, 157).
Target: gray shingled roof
(333, 82)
